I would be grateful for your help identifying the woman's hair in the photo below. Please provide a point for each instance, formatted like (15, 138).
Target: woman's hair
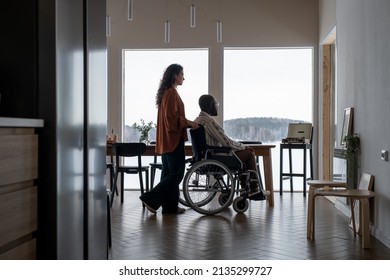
(167, 81)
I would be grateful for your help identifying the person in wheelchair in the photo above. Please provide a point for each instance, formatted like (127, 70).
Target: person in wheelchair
(215, 136)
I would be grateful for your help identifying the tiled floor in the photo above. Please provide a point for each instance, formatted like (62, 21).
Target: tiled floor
(269, 233)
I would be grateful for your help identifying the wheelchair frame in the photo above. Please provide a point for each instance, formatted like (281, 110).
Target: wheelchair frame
(211, 184)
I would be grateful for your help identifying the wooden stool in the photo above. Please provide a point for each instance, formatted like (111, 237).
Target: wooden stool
(313, 185)
(335, 189)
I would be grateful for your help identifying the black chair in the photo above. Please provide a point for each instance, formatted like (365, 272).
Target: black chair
(109, 235)
(153, 167)
(123, 150)
(111, 168)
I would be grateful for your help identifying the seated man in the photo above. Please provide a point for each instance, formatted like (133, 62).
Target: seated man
(215, 136)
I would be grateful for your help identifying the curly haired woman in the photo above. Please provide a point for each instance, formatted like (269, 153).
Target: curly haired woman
(170, 137)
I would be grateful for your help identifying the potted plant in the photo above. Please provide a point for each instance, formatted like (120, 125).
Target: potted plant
(144, 129)
(351, 153)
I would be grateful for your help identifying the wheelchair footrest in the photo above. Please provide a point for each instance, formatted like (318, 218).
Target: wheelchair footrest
(258, 196)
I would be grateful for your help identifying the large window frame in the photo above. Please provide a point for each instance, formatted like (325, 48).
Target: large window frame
(269, 83)
(293, 96)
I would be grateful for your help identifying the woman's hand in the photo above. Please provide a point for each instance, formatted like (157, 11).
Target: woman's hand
(192, 125)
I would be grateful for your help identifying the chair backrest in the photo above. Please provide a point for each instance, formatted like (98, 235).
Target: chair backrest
(128, 150)
(198, 142)
(366, 182)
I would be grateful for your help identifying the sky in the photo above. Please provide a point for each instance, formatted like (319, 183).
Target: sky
(257, 82)
(268, 83)
(142, 75)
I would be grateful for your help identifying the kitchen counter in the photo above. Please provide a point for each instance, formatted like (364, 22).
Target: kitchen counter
(20, 122)
(18, 187)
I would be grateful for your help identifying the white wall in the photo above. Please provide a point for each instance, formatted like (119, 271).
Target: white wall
(363, 69)
(327, 17)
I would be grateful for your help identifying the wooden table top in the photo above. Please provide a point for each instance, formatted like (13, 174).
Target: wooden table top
(352, 193)
(323, 183)
(260, 149)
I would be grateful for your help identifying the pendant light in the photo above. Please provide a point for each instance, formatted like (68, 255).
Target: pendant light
(219, 31)
(130, 10)
(192, 16)
(167, 34)
(167, 25)
(108, 26)
(219, 24)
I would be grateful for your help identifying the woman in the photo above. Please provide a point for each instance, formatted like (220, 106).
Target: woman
(170, 137)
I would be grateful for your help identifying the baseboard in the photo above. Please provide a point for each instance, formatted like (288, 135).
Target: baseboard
(377, 233)
(345, 209)
(380, 235)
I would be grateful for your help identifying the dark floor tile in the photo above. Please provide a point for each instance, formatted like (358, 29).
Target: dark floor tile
(262, 232)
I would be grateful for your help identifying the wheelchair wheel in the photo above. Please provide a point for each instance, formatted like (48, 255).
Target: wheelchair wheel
(182, 199)
(203, 185)
(240, 204)
(223, 198)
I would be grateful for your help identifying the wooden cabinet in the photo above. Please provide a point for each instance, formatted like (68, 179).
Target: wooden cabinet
(18, 187)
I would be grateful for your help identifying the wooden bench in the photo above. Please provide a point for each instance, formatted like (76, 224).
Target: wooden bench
(339, 189)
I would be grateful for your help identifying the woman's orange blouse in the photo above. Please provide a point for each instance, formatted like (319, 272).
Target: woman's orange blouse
(171, 122)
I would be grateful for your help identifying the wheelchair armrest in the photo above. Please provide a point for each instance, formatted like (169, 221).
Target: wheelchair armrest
(251, 142)
(218, 149)
(191, 161)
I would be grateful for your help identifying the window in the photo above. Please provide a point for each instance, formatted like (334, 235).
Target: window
(143, 70)
(264, 90)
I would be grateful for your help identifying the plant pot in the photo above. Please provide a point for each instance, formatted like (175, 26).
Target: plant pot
(144, 137)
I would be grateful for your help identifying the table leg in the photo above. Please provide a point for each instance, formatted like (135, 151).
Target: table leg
(267, 162)
(290, 170)
(364, 222)
(310, 213)
(281, 172)
(313, 215)
(304, 172)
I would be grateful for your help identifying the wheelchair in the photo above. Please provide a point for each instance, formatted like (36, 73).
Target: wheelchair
(212, 182)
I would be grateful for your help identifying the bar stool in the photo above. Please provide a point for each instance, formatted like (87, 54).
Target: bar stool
(296, 146)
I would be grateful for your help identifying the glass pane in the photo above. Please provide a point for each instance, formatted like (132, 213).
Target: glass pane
(264, 91)
(143, 70)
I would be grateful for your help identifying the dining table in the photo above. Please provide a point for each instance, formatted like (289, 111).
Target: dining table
(261, 150)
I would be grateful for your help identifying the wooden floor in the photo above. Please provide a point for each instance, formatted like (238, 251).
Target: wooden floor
(269, 233)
